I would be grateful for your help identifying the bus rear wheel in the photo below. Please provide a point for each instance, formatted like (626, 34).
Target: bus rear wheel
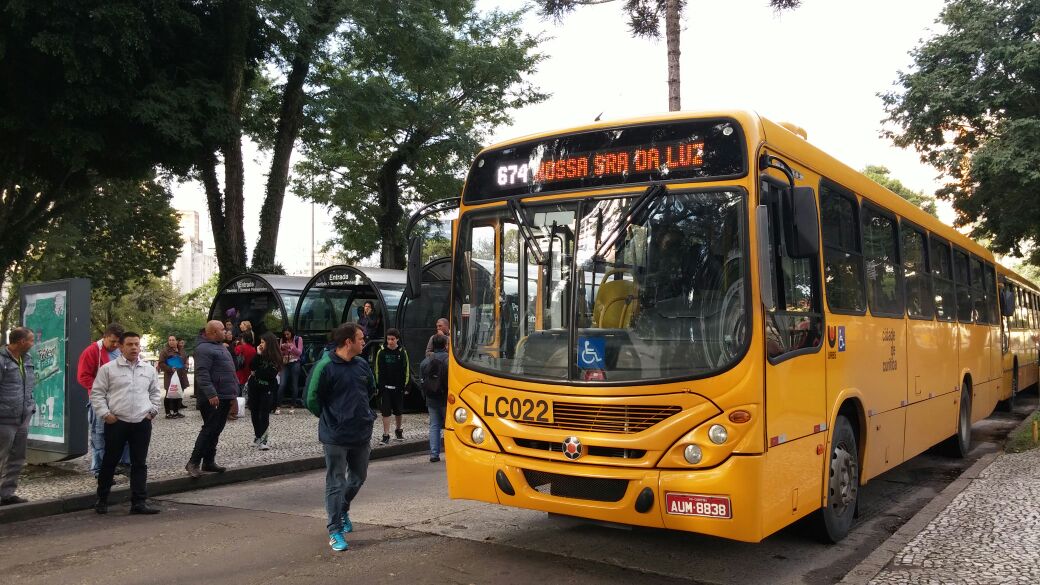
(959, 444)
(1009, 404)
(835, 519)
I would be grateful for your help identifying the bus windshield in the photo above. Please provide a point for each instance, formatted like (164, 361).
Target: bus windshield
(618, 296)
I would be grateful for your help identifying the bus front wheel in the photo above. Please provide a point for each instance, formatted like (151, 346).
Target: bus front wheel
(835, 519)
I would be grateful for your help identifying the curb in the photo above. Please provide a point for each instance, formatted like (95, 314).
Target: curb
(75, 503)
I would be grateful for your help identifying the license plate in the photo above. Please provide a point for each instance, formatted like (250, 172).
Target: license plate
(697, 505)
(536, 410)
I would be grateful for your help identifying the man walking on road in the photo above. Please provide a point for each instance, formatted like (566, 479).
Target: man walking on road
(216, 387)
(339, 397)
(91, 359)
(17, 379)
(126, 397)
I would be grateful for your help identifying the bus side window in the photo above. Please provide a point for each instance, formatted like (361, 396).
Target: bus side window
(884, 275)
(842, 256)
(796, 322)
(942, 279)
(919, 296)
(962, 276)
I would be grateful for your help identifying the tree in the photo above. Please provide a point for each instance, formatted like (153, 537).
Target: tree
(882, 176)
(125, 234)
(390, 130)
(94, 90)
(969, 107)
(644, 20)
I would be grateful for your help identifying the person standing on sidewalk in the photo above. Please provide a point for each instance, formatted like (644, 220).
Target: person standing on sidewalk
(339, 398)
(434, 370)
(442, 329)
(392, 375)
(216, 388)
(91, 359)
(17, 405)
(126, 396)
(267, 362)
(291, 347)
(171, 361)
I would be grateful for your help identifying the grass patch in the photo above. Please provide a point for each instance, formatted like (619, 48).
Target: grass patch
(1022, 438)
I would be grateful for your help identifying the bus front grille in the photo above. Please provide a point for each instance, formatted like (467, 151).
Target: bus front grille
(581, 488)
(623, 419)
(593, 450)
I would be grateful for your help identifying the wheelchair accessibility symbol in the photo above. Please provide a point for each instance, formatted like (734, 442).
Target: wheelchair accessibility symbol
(591, 352)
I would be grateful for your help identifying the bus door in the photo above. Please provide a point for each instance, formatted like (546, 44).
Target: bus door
(796, 370)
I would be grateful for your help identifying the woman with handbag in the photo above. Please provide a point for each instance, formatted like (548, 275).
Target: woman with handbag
(266, 363)
(171, 361)
(244, 353)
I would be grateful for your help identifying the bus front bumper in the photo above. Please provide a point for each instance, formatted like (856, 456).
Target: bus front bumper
(610, 494)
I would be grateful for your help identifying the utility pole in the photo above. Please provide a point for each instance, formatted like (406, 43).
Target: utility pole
(312, 238)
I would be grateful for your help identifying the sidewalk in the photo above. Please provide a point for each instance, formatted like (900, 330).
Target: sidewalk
(293, 436)
(987, 533)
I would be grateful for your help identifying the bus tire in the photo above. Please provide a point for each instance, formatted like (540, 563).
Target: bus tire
(835, 518)
(959, 444)
(1009, 404)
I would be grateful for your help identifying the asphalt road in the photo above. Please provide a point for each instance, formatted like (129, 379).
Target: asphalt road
(409, 532)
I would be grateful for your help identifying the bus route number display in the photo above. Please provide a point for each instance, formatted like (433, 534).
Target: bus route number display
(676, 150)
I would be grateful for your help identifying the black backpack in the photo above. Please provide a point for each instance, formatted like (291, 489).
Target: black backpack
(435, 379)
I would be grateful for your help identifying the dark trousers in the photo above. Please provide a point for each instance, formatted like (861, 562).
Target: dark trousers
(118, 434)
(213, 420)
(171, 405)
(289, 386)
(259, 410)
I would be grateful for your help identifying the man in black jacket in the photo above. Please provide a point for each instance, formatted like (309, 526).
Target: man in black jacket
(344, 386)
(216, 387)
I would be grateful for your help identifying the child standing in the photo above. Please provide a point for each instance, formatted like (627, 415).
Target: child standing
(392, 374)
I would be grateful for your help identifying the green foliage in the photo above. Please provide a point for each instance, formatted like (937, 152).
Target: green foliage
(969, 107)
(410, 98)
(882, 176)
(139, 309)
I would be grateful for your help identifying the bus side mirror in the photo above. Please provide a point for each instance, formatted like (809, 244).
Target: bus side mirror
(1007, 302)
(803, 233)
(413, 281)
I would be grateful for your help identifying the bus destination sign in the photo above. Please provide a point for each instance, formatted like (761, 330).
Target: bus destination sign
(617, 156)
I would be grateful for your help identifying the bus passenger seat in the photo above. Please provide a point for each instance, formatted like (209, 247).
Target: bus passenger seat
(617, 302)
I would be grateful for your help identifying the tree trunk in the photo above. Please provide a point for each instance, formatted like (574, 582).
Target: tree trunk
(671, 31)
(236, 30)
(388, 218)
(227, 264)
(290, 119)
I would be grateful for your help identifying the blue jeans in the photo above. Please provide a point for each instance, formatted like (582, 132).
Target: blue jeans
(437, 410)
(289, 386)
(346, 468)
(96, 442)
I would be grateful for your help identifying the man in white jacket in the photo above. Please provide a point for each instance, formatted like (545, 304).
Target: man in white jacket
(126, 395)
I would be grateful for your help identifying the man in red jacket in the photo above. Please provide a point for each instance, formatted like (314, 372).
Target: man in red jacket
(93, 357)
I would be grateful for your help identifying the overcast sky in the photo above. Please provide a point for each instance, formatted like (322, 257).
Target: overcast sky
(820, 67)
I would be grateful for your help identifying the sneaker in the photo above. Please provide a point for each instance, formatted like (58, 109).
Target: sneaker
(434, 459)
(399, 434)
(256, 441)
(263, 446)
(337, 542)
(348, 526)
(384, 440)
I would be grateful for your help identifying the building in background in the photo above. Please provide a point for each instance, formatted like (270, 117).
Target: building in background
(194, 267)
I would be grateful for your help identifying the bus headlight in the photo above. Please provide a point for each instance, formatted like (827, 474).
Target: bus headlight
(718, 434)
(461, 415)
(477, 435)
(693, 454)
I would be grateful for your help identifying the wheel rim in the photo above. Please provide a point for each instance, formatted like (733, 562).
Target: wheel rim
(844, 479)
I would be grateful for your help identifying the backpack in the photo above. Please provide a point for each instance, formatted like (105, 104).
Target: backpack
(435, 378)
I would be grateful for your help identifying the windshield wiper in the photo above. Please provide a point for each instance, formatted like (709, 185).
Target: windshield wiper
(525, 232)
(641, 204)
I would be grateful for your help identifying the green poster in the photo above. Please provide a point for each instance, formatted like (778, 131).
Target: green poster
(45, 316)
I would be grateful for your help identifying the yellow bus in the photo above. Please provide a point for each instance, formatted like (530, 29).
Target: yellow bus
(702, 322)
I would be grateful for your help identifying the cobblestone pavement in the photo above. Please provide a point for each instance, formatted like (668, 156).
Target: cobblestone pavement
(990, 532)
(292, 435)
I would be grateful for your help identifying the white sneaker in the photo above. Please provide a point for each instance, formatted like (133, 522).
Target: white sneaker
(263, 446)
